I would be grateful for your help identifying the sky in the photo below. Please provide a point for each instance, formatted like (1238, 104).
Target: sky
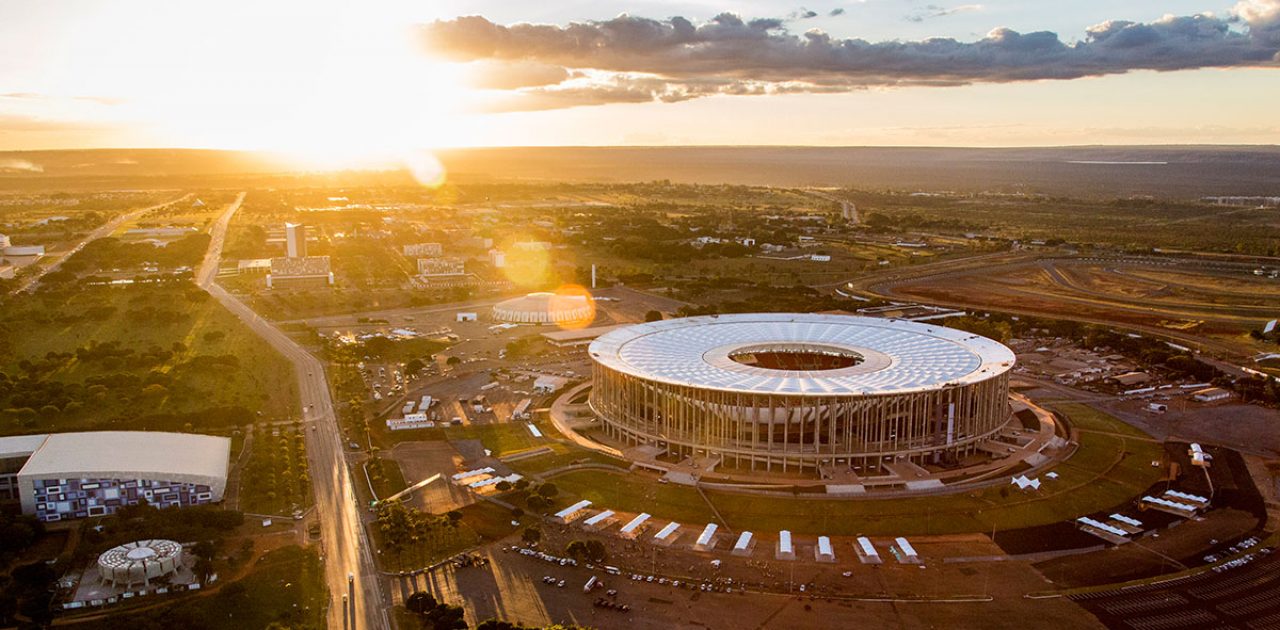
(343, 81)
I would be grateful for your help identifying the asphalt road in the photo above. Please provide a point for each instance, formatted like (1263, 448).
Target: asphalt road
(102, 232)
(346, 544)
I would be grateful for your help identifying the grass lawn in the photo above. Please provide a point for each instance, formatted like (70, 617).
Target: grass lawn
(1106, 471)
(1087, 418)
(286, 586)
(390, 481)
(563, 455)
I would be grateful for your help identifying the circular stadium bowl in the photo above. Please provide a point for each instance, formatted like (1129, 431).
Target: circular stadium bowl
(796, 392)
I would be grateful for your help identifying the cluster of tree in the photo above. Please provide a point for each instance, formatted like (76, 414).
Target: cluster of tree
(590, 550)
(405, 529)
(767, 299)
(496, 624)
(540, 498)
(112, 253)
(28, 591)
(16, 534)
(134, 522)
(434, 615)
(157, 315)
(276, 478)
(877, 221)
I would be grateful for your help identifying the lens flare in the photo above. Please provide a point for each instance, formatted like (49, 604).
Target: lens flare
(572, 296)
(426, 169)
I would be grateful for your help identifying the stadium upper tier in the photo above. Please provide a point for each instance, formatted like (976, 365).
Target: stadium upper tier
(802, 354)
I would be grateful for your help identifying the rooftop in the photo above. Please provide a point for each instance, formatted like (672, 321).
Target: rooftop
(124, 454)
(760, 353)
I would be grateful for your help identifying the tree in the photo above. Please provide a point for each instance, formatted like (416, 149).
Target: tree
(653, 316)
(454, 517)
(453, 361)
(420, 602)
(414, 366)
(531, 535)
(204, 551)
(548, 490)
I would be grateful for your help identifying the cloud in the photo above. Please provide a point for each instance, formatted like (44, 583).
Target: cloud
(635, 59)
(496, 75)
(836, 11)
(934, 11)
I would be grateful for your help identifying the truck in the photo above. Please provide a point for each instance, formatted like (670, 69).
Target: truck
(591, 585)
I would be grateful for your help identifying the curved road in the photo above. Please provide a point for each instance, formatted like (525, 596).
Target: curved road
(346, 544)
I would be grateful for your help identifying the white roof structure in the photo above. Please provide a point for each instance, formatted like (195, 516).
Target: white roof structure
(665, 532)
(707, 534)
(546, 308)
(20, 445)
(824, 550)
(893, 356)
(1127, 520)
(570, 512)
(868, 549)
(131, 455)
(599, 518)
(908, 551)
(1099, 525)
(630, 528)
(744, 541)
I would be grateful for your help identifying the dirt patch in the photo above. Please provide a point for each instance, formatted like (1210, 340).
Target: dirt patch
(419, 460)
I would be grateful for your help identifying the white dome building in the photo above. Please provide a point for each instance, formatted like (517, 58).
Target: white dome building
(547, 308)
(139, 562)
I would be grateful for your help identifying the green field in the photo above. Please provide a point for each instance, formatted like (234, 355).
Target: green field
(1106, 471)
(139, 357)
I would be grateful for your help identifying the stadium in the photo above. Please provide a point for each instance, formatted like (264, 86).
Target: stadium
(564, 308)
(800, 392)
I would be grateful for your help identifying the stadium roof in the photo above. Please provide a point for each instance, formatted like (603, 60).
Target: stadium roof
(546, 308)
(130, 454)
(896, 356)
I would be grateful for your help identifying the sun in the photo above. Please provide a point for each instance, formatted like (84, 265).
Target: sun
(346, 90)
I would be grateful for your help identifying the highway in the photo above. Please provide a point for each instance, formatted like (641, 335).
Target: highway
(346, 545)
(103, 231)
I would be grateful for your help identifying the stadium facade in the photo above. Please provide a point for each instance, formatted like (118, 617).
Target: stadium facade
(64, 476)
(796, 392)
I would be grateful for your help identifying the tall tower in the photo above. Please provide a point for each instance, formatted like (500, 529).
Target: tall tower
(295, 237)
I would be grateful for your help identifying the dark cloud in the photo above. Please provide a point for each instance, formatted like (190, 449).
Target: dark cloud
(836, 11)
(641, 59)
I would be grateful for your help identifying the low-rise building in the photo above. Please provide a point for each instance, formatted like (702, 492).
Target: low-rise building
(66, 476)
(1211, 394)
(424, 250)
(435, 267)
(308, 271)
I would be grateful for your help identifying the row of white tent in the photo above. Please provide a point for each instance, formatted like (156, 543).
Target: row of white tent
(483, 479)
(1118, 528)
(744, 545)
